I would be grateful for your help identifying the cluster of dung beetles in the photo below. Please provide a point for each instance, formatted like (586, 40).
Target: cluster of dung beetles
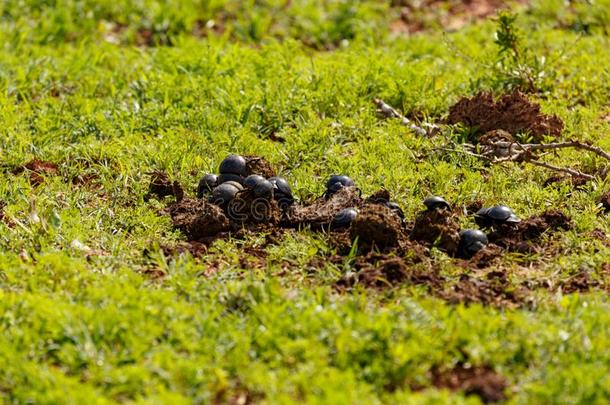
(473, 240)
(233, 178)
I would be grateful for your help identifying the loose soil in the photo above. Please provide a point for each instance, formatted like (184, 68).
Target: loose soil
(512, 112)
(449, 14)
(38, 170)
(440, 228)
(161, 186)
(525, 236)
(481, 381)
(390, 253)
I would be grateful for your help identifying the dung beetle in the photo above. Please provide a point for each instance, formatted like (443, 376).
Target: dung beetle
(225, 177)
(282, 192)
(263, 188)
(396, 209)
(281, 185)
(435, 202)
(344, 218)
(336, 182)
(496, 215)
(471, 241)
(206, 184)
(252, 180)
(233, 164)
(224, 193)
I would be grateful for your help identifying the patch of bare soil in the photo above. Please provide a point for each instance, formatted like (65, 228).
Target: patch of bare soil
(38, 170)
(382, 270)
(512, 112)
(416, 16)
(585, 280)
(194, 248)
(438, 228)
(576, 182)
(525, 236)
(481, 381)
(492, 288)
(484, 258)
(161, 186)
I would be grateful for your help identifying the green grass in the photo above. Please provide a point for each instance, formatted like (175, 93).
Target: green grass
(78, 328)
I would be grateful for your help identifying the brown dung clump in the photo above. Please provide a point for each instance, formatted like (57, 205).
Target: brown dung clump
(512, 112)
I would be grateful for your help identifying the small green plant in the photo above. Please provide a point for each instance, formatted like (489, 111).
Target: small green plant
(517, 67)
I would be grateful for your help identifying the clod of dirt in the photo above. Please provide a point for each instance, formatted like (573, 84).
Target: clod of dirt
(380, 271)
(194, 248)
(492, 288)
(481, 381)
(258, 165)
(439, 228)
(379, 197)
(37, 169)
(524, 236)
(198, 219)
(605, 200)
(322, 211)
(161, 186)
(582, 281)
(484, 257)
(576, 182)
(245, 207)
(376, 226)
(512, 112)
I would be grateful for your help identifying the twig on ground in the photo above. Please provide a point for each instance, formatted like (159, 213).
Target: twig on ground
(497, 152)
(388, 111)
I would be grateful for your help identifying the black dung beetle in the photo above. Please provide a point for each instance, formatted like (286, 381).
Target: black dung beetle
(396, 209)
(435, 202)
(471, 241)
(206, 184)
(233, 164)
(252, 180)
(344, 218)
(496, 215)
(224, 193)
(282, 192)
(226, 177)
(336, 182)
(263, 188)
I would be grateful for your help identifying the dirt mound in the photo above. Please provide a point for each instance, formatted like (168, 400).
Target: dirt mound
(322, 211)
(198, 219)
(485, 257)
(481, 381)
(492, 289)
(161, 186)
(376, 226)
(38, 170)
(438, 228)
(584, 281)
(524, 237)
(258, 165)
(247, 208)
(381, 270)
(512, 112)
(576, 182)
